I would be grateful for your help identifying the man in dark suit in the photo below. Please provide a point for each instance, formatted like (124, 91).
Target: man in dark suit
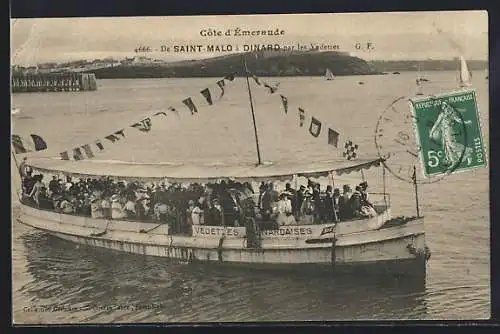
(300, 199)
(344, 203)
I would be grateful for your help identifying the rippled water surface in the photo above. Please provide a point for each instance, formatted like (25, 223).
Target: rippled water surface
(56, 281)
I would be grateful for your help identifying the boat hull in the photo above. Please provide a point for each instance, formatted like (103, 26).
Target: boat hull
(390, 249)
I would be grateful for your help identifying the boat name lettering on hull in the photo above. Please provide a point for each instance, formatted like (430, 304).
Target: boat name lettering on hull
(328, 229)
(288, 231)
(216, 231)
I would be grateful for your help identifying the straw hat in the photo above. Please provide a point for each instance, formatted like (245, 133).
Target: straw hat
(115, 198)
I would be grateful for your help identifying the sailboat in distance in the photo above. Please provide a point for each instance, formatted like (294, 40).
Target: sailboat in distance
(329, 74)
(464, 74)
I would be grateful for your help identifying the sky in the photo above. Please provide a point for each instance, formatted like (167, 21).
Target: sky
(396, 35)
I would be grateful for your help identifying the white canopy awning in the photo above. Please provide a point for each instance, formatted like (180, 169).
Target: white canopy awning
(201, 173)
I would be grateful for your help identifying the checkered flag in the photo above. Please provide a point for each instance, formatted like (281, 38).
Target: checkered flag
(350, 150)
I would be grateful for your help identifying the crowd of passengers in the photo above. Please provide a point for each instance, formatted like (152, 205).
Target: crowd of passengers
(214, 204)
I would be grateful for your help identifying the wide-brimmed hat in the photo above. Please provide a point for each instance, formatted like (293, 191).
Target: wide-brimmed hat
(286, 193)
(115, 198)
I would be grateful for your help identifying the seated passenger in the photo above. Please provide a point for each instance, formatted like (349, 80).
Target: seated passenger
(196, 214)
(344, 203)
(284, 210)
(116, 207)
(307, 210)
(106, 208)
(129, 208)
(216, 215)
(160, 211)
(366, 207)
(95, 208)
(140, 210)
(355, 202)
(67, 207)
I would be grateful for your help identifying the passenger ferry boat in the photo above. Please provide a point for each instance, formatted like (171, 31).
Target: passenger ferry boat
(377, 242)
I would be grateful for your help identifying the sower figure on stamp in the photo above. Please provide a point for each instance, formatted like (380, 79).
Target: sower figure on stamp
(443, 131)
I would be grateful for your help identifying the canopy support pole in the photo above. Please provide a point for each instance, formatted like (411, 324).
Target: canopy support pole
(336, 217)
(253, 113)
(20, 176)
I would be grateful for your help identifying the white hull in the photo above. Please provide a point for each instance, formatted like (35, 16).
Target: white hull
(404, 243)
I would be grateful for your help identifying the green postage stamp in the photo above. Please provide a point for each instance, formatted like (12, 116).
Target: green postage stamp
(448, 132)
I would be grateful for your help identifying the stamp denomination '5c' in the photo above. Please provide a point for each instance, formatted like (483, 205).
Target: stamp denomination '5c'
(449, 132)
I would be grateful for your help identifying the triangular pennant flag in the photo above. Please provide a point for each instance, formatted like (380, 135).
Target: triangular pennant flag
(40, 144)
(284, 100)
(302, 117)
(28, 144)
(221, 85)
(160, 113)
(206, 94)
(315, 127)
(64, 155)
(333, 137)
(120, 132)
(88, 151)
(99, 145)
(112, 138)
(189, 103)
(271, 88)
(77, 154)
(143, 125)
(18, 144)
(230, 77)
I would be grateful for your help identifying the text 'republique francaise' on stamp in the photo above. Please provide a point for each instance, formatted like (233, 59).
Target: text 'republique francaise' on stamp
(446, 136)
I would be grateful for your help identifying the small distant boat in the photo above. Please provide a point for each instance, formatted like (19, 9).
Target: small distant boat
(396, 72)
(464, 74)
(419, 84)
(329, 74)
(15, 111)
(361, 83)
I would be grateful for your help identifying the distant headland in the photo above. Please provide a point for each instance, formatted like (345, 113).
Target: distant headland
(298, 63)
(261, 63)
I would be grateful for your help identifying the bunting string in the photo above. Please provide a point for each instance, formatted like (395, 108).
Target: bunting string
(316, 127)
(88, 151)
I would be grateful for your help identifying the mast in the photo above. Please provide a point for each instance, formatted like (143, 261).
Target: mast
(253, 113)
(414, 178)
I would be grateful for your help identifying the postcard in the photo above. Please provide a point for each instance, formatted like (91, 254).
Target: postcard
(243, 168)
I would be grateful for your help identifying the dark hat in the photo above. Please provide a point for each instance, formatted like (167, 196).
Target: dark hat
(336, 191)
(302, 187)
(346, 186)
(358, 188)
(363, 184)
